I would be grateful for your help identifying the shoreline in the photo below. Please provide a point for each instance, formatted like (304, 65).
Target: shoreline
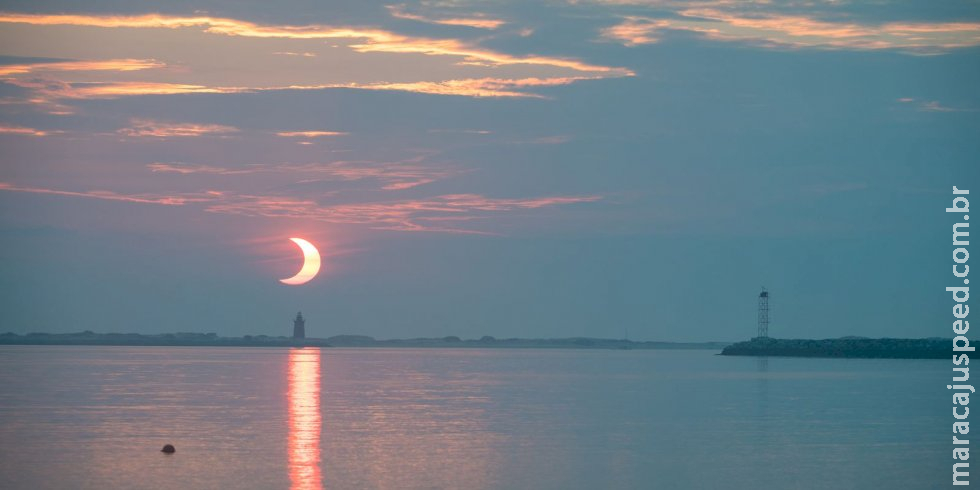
(186, 339)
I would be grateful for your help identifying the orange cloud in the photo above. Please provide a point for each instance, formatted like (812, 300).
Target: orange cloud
(374, 39)
(158, 129)
(104, 65)
(798, 31)
(471, 87)
(634, 31)
(476, 21)
(464, 68)
(117, 89)
(47, 90)
(290, 53)
(47, 93)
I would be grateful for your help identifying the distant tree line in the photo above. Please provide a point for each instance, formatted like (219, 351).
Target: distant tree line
(855, 347)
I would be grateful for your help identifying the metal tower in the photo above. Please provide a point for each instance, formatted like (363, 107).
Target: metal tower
(764, 313)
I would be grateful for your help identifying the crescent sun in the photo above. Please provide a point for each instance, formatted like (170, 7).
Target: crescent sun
(311, 264)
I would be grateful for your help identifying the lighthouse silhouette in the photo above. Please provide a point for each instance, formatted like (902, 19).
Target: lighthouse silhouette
(299, 327)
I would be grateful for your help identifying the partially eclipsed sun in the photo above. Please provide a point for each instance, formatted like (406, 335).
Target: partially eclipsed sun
(311, 264)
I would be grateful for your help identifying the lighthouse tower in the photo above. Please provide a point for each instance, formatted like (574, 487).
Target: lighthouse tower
(299, 327)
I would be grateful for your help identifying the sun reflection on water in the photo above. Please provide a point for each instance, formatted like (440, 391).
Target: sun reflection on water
(303, 396)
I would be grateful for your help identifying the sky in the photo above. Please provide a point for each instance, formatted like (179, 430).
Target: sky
(595, 168)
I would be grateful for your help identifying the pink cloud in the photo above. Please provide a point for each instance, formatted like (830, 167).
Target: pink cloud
(9, 129)
(393, 176)
(309, 134)
(404, 215)
(163, 199)
(408, 215)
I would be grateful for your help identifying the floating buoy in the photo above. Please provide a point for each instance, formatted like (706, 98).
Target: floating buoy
(169, 449)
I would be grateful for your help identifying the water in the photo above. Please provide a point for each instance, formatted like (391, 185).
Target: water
(96, 417)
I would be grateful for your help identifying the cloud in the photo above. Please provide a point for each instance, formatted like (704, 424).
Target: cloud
(41, 79)
(461, 131)
(402, 215)
(159, 129)
(188, 169)
(392, 176)
(310, 134)
(162, 199)
(552, 140)
(931, 105)
(368, 40)
(202, 54)
(47, 94)
(9, 129)
(290, 53)
(477, 21)
(483, 87)
(117, 89)
(406, 215)
(799, 31)
(633, 31)
(935, 106)
(104, 65)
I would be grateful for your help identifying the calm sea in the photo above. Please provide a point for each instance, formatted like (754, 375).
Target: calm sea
(96, 417)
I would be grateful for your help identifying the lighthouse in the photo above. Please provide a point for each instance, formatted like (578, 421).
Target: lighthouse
(299, 327)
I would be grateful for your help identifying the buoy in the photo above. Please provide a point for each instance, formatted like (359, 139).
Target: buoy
(169, 449)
